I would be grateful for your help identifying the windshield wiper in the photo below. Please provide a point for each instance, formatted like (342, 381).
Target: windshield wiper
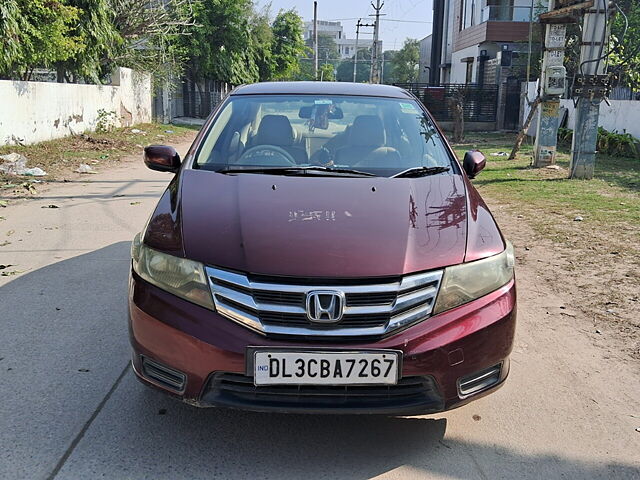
(297, 171)
(341, 170)
(420, 172)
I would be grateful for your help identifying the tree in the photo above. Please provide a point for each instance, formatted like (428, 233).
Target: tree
(219, 44)
(11, 22)
(345, 67)
(36, 33)
(405, 62)
(101, 40)
(327, 48)
(152, 33)
(623, 52)
(305, 70)
(326, 72)
(388, 74)
(262, 43)
(624, 59)
(456, 105)
(288, 44)
(327, 54)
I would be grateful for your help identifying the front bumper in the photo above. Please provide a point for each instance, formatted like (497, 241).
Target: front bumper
(210, 351)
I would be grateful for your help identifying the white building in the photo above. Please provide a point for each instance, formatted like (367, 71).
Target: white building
(468, 33)
(346, 46)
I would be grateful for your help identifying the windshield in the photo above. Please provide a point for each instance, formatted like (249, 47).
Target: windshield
(280, 133)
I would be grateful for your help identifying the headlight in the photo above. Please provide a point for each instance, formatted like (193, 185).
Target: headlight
(182, 277)
(468, 281)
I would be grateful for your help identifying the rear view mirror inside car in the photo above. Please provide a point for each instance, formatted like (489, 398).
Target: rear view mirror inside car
(335, 113)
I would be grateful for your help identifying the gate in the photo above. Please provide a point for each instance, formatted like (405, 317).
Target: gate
(512, 104)
(479, 105)
(200, 98)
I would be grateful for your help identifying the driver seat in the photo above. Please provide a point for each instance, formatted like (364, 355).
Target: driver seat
(277, 130)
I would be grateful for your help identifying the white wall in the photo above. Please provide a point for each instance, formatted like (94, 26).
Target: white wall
(622, 116)
(458, 68)
(37, 111)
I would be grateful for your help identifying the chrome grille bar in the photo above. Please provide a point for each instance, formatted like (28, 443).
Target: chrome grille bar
(234, 294)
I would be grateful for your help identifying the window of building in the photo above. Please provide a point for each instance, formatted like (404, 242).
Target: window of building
(469, 74)
(467, 13)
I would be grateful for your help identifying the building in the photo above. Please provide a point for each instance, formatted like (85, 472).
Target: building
(424, 64)
(468, 34)
(346, 46)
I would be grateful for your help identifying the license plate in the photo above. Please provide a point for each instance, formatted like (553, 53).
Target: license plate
(379, 367)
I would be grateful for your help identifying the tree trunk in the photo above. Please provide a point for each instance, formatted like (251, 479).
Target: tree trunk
(525, 127)
(457, 113)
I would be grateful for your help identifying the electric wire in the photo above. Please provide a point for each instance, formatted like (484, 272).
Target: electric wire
(633, 52)
(604, 37)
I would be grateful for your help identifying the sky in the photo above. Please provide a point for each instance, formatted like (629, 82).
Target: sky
(415, 17)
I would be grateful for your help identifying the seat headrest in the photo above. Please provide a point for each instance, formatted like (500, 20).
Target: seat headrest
(275, 130)
(367, 131)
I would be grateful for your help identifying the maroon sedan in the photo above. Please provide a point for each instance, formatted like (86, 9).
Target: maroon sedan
(320, 249)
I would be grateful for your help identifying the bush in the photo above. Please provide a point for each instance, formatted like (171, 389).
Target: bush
(618, 144)
(565, 136)
(609, 143)
(106, 121)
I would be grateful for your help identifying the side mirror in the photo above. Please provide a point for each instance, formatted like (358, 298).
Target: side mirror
(161, 158)
(473, 163)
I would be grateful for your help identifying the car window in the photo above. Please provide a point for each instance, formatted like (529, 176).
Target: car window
(381, 136)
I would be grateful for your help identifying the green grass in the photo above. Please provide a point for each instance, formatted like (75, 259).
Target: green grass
(611, 197)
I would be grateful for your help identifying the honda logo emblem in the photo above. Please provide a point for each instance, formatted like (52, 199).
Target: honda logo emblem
(325, 306)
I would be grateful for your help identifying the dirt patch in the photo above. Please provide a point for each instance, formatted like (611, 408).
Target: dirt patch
(61, 158)
(595, 270)
(581, 238)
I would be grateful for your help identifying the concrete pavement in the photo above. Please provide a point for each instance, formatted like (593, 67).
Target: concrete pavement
(72, 409)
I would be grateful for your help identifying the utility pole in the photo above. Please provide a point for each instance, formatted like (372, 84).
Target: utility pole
(552, 85)
(355, 57)
(375, 68)
(315, 40)
(590, 88)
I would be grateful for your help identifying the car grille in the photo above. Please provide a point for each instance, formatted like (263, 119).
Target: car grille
(277, 305)
(232, 389)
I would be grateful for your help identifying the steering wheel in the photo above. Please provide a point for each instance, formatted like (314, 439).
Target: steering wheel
(271, 155)
(322, 157)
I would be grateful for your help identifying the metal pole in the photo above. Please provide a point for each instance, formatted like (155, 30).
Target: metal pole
(375, 68)
(592, 85)
(548, 118)
(315, 40)
(355, 57)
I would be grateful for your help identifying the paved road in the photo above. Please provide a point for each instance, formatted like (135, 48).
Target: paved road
(71, 409)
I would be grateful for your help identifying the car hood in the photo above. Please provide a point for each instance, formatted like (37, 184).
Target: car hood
(323, 226)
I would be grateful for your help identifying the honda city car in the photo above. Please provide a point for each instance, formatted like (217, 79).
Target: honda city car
(321, 249)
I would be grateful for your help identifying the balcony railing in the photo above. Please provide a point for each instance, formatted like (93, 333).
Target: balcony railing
(507, 13)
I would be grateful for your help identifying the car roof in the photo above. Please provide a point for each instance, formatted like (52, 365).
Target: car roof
(321, 88)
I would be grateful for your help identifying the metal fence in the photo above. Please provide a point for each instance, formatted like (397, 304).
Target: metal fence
(624, 93)
(480, 102)
(201, 98)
